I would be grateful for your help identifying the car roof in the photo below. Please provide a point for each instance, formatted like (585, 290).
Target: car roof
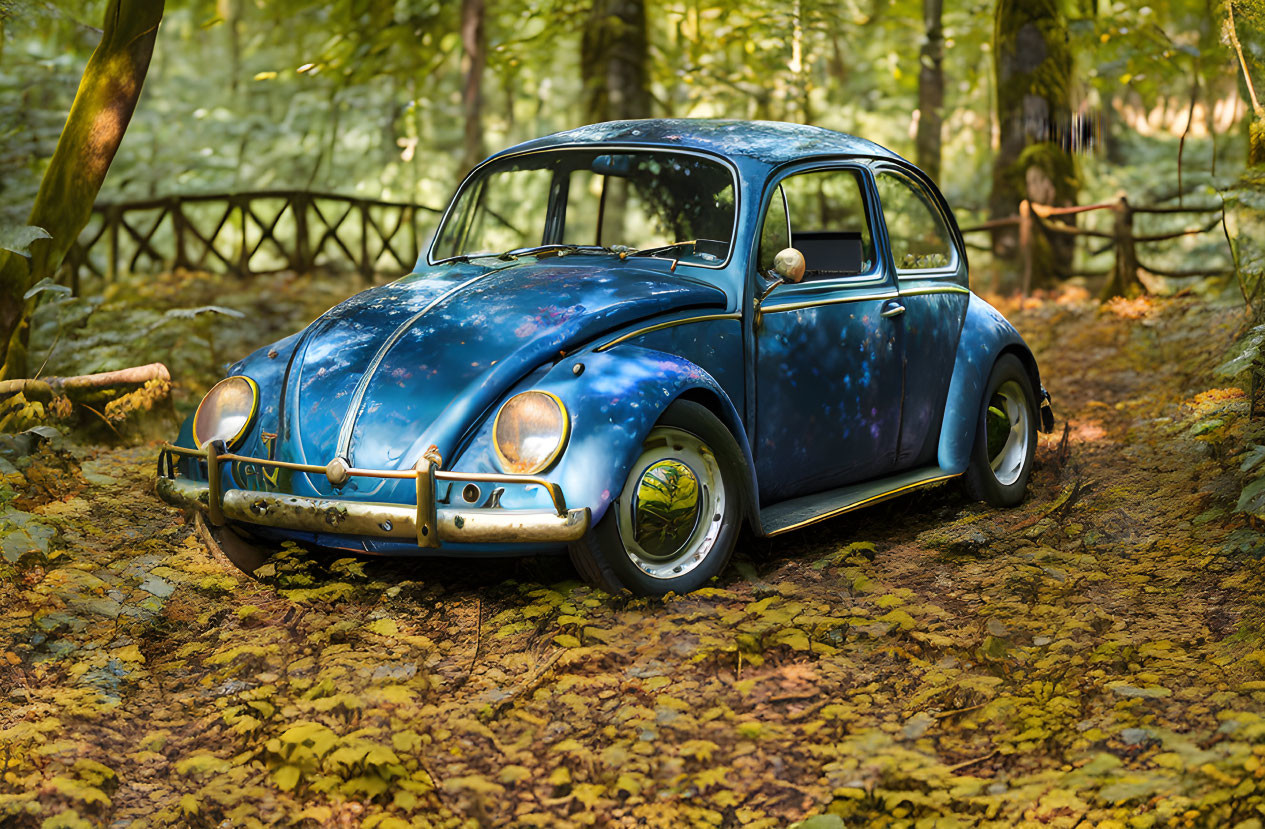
(771, 142)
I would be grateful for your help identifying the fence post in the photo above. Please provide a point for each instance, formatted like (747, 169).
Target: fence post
(112, 216)
(243, 256)
(302, 256)
(178, 222)
(1025, 244)
(366, 268)
(1124, 274)
(73, 264)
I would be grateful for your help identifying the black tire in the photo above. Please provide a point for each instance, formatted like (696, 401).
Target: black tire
(242, 549)
(604, 559)
(1005, 487)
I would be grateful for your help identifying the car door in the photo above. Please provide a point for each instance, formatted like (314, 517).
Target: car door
(930, 273)
(827, 366)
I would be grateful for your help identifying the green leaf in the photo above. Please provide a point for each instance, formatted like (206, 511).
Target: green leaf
(1252, 499)
(45, 285)
(190, 313)
(18, 239)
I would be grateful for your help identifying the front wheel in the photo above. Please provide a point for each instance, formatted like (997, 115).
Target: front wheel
(1005, 437)
(674, 524)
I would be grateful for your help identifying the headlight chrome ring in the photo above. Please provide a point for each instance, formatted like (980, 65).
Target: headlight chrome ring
(226, 412)
(530, 432)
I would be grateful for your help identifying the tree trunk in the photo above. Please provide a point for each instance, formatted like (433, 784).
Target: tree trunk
(99, 116)
(474, 57)
(1256, 126)
(1034, 71)
(614, 56)
(931, 90)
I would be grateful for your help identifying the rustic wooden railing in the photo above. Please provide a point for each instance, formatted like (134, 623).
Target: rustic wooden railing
(250, 232)
(1123, 275)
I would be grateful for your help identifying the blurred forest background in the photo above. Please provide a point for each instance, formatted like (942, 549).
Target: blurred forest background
(396, 100)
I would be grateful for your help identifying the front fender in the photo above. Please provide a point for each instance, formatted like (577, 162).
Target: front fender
(986, 335)
(613, 402)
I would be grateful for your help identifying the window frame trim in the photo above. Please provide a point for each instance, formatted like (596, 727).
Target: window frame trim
(723, 161)
(955, 265)
(867, 188)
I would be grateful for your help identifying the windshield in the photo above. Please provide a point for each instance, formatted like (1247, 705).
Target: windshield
(636, 202)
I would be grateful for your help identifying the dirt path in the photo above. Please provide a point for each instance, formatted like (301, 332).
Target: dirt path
(1094, 655)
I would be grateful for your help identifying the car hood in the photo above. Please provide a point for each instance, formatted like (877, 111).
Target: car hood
(394, 369)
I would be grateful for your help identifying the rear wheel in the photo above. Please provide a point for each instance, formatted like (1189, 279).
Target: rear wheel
(674, 524)
(1005, 437)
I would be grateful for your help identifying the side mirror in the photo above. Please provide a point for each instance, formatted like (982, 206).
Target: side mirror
(789, 264)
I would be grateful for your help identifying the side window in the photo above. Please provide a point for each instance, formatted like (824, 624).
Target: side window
(827, 224)
(919, 238)
(773, 235)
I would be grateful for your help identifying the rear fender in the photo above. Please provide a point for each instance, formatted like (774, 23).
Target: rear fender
(613, 401)
(986, 335)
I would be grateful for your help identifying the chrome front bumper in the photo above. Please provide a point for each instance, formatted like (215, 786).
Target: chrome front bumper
(426, 523)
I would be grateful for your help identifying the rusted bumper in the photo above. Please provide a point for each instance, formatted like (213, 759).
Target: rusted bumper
(425, 523)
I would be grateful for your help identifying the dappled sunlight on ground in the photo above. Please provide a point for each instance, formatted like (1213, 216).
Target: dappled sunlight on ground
(1095, 654)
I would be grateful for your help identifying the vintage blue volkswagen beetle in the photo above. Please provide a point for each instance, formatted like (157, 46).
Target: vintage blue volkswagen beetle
(626, 340)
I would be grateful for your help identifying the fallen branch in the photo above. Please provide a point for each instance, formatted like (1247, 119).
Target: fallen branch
(135, 376)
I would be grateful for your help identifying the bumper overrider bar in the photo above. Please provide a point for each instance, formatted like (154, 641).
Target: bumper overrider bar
(425, 523)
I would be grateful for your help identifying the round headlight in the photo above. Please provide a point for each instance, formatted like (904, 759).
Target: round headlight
(226, 412)
(530, 431)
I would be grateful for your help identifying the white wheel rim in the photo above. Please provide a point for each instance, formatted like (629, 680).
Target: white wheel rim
(1006, 430)
(673, 535)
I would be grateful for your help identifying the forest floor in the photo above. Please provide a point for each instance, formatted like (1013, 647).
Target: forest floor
(1096, 655)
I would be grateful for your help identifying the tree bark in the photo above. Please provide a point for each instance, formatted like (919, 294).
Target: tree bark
(473, 60)
(931, 90)
(103, 106)
(614, 56)
(1256, 126)
(1033, 69)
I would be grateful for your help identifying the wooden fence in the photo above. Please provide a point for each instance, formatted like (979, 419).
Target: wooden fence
(272, 230)
(250, 232)
(1123, 275)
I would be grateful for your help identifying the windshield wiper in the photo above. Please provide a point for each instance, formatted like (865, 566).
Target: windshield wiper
(559, 249)
(659, 249)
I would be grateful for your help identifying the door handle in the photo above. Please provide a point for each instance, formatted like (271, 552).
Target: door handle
(892, 311)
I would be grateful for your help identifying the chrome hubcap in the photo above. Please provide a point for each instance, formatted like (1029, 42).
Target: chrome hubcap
(1006, 428)
(669, 512)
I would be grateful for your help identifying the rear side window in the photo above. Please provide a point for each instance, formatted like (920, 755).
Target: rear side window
(823, 212)
(915, 228)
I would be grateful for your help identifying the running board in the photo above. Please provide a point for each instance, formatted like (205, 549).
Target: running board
(809, 509)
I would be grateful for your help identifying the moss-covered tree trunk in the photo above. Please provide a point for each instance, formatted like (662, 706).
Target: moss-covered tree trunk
(614, 58)
(99, 116)
(931, 90)
(1033, 67)
(1244, 202)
